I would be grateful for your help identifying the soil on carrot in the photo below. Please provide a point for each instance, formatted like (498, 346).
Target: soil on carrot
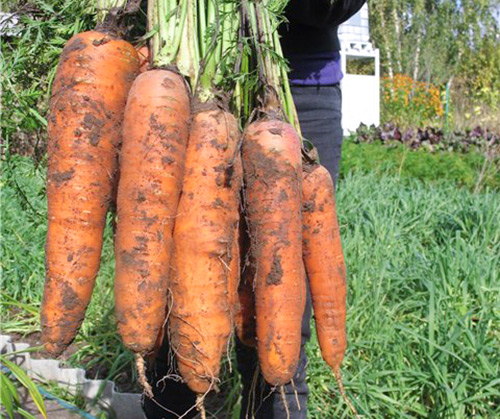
(270, 169)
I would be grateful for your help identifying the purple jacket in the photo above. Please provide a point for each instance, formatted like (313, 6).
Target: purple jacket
(310, 40)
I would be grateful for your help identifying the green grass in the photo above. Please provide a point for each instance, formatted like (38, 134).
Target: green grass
(424, 314)
(470, 169)
(30, 61)
(424, 308)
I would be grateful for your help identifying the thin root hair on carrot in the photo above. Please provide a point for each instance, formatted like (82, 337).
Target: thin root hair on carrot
(340, 384)
(296, 394)
(283, 399)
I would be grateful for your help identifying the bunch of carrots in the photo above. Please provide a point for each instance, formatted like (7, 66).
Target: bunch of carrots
(220, 210)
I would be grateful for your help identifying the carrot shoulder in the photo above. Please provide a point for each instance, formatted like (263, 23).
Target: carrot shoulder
(272, 176)
(89, 93)
(155, 133)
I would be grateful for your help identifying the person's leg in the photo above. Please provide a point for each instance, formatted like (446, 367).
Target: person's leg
(172, 398)
(320, 115)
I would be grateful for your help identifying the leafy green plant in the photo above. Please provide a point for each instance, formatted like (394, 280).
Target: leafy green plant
(29, 64)
(11, 376)
(471, 170)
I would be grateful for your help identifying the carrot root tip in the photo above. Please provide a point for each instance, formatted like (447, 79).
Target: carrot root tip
(340, 384)
(54, 349)
(200, 406)
(141, 375)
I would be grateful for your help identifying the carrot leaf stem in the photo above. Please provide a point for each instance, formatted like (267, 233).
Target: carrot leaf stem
(264, 20)
(166, 20)
(209, 43)
(188, 56)
(105, 6)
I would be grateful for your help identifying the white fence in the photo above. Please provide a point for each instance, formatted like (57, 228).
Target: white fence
(360, 92)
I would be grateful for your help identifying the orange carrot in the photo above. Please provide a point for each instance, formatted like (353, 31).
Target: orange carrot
(273, 177)
(200, 318)
(89, 93)
(324, 262)
(155, 134)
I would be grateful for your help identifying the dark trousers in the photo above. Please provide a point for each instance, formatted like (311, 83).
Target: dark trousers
(319, 110)
(320, 113)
